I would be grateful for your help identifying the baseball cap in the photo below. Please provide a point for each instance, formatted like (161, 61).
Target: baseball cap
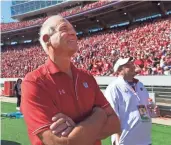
(120, 62)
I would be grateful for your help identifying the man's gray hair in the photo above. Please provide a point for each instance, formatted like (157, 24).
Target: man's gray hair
(47, 28)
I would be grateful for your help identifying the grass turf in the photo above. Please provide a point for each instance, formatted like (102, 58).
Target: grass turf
(13, 131)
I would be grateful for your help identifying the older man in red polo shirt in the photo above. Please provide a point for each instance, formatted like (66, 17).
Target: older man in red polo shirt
(61, 104)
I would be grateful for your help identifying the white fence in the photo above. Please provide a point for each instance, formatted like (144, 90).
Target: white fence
(159, 87)
(146, 80)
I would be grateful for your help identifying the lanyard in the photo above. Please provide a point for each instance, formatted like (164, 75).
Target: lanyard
(131, 89)
(134, 91)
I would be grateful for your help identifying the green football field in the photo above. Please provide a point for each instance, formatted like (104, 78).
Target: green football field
(13, 131)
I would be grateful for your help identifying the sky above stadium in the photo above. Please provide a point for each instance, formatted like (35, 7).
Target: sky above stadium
(5, 11)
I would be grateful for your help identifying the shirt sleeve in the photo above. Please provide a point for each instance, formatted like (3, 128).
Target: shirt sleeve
(37, 107)
(112, 97)
(100, 99)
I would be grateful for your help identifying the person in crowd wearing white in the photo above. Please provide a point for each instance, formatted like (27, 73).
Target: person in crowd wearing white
(129, 99)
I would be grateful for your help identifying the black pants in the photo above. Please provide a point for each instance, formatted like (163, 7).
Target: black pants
(18, 100)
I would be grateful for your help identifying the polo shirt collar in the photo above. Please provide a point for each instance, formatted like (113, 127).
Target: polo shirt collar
(134, 80)
(53, 68)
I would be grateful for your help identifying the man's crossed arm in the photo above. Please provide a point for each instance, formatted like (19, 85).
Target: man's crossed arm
(100, 124)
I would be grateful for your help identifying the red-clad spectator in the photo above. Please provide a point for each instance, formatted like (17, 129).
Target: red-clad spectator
(139, 62)
(159, 70)
(144, 71)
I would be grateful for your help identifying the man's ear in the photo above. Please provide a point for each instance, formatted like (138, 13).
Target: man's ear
(46, 38)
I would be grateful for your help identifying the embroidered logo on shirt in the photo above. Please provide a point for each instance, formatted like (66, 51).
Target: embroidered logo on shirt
(126, 91)
(85, 84)
(61, 92)
(141, 89)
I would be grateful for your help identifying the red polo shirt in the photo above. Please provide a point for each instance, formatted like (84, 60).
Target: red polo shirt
(47, 91)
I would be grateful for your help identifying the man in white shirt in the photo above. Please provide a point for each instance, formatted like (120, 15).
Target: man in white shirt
(129, 99)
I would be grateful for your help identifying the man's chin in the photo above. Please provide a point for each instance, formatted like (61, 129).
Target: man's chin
(72, 52)
(74, 48)
(134, 74)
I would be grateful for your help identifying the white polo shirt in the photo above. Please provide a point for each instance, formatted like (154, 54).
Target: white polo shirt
(124, 101)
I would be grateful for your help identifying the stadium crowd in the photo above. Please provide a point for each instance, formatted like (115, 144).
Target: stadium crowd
(149, 44)
(84, 8)
(21, 59)
(23, 24)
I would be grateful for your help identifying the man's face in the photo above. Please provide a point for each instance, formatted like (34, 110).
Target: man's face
(64, 39)
(128, 69)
